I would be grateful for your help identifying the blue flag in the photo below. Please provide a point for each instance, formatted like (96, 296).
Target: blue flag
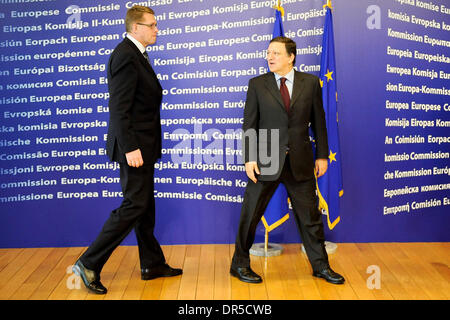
(277, 210)
(329, 186)
(278, 30)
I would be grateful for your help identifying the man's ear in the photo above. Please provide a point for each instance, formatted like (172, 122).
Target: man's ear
(134, 27)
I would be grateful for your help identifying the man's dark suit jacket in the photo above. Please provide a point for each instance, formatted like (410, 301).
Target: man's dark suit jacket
(135, 98)
(264, 109)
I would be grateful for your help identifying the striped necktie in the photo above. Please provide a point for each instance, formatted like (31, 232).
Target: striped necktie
(146, 57)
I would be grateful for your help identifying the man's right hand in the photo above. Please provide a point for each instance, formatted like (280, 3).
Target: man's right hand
(134, 158)
(250, 169)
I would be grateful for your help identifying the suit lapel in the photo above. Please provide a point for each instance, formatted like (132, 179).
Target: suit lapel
(297, 88)
(271, 85)
(149, 67)
(143, 61)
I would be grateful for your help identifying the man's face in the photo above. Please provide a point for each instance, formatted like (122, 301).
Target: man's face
(278, 59)
(145, 31)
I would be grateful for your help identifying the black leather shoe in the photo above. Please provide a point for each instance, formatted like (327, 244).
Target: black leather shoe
(163, 270)
(330, 276)
(245, 274)
(90, 278)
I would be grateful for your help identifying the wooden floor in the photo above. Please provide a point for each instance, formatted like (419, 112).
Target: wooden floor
(408, 271)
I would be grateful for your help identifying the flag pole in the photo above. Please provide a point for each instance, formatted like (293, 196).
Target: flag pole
(266, 243)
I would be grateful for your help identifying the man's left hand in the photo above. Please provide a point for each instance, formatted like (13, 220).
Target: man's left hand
(321, 167)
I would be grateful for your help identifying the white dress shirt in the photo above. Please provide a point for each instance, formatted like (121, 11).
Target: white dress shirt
(289, 80)
(137, 43)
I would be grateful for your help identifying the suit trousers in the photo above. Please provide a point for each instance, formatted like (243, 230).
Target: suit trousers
(307, 216)
(136, 211)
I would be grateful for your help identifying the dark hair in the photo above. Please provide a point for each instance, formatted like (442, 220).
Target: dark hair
(290, 45)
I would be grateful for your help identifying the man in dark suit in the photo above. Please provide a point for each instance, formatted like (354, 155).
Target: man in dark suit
(280, 106)
(134, 140)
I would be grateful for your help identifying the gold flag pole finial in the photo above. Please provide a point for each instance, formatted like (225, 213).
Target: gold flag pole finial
(279, 8)
(328, 5)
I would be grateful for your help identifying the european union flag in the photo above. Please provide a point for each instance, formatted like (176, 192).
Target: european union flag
(278, 30)
(277, 210)
(329, 186)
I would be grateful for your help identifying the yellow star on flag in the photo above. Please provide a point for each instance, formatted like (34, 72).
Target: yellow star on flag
(328, 5)
(279, 8)
(332, 156)
(321, 83)
(328, 75)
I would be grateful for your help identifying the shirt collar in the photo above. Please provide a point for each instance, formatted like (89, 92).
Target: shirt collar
(137, 43)
(289, 76)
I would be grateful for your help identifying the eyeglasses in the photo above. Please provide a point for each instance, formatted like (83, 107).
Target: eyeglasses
(151, 26)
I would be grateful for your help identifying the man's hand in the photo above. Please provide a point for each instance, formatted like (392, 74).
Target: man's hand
(134, 158)
(250, 169)
(321, 167)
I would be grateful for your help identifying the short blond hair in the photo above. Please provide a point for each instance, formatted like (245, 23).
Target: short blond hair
(134, 14)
